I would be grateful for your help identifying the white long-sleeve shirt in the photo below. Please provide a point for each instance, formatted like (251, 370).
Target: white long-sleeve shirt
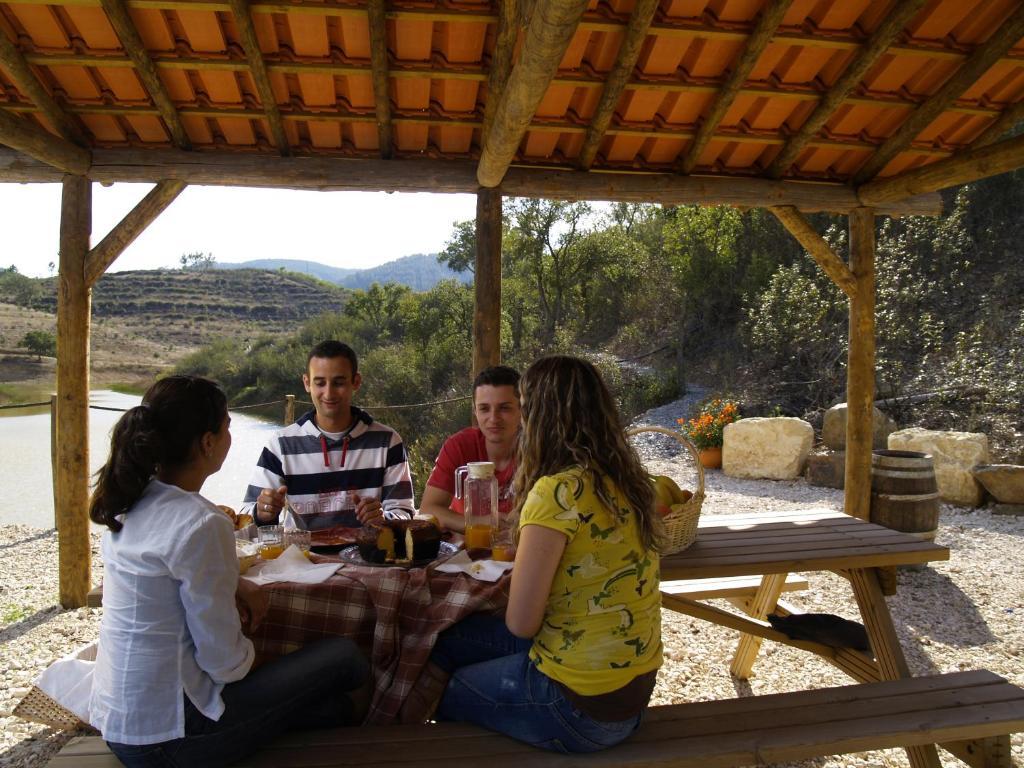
(170, 627)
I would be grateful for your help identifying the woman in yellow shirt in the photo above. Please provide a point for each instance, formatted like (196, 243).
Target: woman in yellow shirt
(572, 666)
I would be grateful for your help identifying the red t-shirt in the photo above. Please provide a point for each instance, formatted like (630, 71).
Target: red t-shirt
(460, 449)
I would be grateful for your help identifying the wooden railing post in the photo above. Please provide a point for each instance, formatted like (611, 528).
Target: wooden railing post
(289, 409)
(53, 454)
(860, 366)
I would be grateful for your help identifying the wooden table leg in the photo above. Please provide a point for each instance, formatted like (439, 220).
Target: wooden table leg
(761, 604)
(892, 664)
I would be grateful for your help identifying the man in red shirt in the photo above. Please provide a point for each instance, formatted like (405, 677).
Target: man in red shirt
(496, 406)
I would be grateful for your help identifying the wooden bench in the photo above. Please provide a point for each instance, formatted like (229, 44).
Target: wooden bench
(970, 713)
(729, 587)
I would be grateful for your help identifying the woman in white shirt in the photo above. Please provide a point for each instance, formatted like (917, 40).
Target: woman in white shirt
(173, 683)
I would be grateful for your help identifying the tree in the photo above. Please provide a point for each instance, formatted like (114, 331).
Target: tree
(40, 343)
(197, 260)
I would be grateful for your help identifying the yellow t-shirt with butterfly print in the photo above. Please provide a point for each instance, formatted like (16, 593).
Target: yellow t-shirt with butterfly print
(602, 624)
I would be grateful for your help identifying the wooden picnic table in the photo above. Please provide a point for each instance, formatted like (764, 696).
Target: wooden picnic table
(771, 545)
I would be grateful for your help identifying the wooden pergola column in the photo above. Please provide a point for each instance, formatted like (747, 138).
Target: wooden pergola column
(860, 367)
(72, 434)
(487, 281)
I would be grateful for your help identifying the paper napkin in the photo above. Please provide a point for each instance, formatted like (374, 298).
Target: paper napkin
(484, 570)
(291, 565)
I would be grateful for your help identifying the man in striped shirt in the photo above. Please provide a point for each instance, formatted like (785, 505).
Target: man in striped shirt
(336, 466)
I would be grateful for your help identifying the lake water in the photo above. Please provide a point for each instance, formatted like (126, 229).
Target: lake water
(26, 483)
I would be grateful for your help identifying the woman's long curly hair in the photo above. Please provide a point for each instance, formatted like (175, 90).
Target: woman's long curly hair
(162, 432)
(571, 420)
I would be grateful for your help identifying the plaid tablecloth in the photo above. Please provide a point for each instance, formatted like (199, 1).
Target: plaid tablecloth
(394, 614)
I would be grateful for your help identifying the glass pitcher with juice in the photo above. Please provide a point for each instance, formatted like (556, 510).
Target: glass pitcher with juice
(477, 485)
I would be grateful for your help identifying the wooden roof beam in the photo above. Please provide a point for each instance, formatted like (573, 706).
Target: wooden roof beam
(25, 136)
(1012, 115)
(258, 68)
(18, 68)
(979, 62)
(969, 165)
(218, 168)
(830, 263)
(767, 22)
(124, 28)
(104, 253)
(891, 26)
(629, 51)
(501, 62)
(381, 84)
(552, 26)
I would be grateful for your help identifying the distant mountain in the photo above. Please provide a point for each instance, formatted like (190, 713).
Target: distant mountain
(421, 271)
(314, 268)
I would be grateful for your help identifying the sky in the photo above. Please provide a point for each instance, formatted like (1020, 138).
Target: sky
(343, 229)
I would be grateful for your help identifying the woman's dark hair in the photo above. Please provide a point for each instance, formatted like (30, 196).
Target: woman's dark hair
(162, 432)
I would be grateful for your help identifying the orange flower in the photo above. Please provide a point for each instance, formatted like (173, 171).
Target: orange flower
(707, 428)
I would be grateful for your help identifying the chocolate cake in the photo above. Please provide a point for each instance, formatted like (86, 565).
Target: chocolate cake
(399, 541)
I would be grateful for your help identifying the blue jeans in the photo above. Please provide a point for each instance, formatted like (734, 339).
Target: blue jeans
(305, 689)
(494, 684)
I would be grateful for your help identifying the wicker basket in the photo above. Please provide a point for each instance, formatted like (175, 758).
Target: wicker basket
(40, 708)
(681, 522)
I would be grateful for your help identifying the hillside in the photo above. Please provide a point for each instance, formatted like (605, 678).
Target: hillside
(421, 272)
(191, 308)
(313, 268)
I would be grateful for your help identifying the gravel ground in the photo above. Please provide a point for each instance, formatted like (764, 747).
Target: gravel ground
(967, 613)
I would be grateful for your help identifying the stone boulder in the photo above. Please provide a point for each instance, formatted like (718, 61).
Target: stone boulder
(833, 428)
(955, 454)
(826, 469)
(1004, 482)
(773, 448)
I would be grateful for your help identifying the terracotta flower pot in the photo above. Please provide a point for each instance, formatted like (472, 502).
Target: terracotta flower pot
(710, 458)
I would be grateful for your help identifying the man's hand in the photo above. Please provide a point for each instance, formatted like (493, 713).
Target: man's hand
(368, 509)
(269, 504)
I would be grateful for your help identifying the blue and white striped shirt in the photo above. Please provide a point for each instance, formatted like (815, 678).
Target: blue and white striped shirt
(323, 473)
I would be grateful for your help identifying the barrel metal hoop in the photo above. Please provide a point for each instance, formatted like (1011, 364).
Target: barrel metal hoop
(908, 497)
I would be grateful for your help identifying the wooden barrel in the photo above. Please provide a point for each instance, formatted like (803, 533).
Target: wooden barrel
(904, 495)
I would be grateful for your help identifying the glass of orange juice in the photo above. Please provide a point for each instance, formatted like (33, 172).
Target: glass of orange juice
(503, 546)
(478, 537)
(271, 539)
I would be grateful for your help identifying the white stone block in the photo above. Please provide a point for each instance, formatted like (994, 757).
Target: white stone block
(773, 448)
(955, 454)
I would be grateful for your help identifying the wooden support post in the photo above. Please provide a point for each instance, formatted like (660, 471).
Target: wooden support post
(966, 166)
(892, 665)
(289, 409)
(25, 136)
(762, 603)
(73, 314)
(815, 245)
(860, 366)
(487, 281)
(130, 227)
